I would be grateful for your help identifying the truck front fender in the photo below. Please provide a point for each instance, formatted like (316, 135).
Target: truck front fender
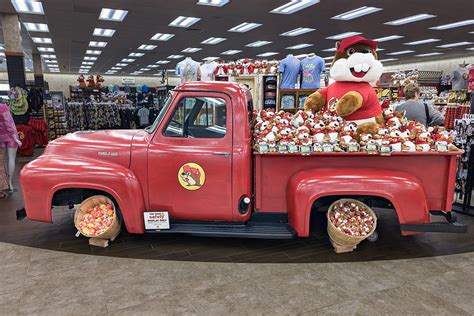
(404, 191)
(43, 177)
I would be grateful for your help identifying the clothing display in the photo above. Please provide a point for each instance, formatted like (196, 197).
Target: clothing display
(26, 136)
(290, 68)
(207, 71)
(311, 69)
(8, 132)
(470, 79)
(288, 101)
(143, 117)
(188, 70)
(459, 78)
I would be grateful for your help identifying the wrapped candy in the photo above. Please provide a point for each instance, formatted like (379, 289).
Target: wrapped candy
(97, 220)
(351, 219)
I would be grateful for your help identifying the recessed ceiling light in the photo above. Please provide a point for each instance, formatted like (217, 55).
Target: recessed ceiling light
(356, 13)
(86, 67)
(328, 58)
(258, 44)
(36, 27)
(121, 65)
(184, 21)
(429, 54)
(387, 60)
(213, 3)
(454, 44)
(51, 61)
(294, 6)
(162, 62)
(191, 50)
(90, 58)
(231, 52)
(452, 25)
(153, 66)
(93, 52)
(103, 32)
(54, 70)
(136, 54)
(300, 46)
(267, 54)
(210, 58)
(28, 6)
(402, 52)
(175, 56)
(161, 37)
(410, 19)
(42, 40)
(116, 68)
(145, 69)
(97, 44)
(127, 60)
(244, 27)
(147, 47)
(343, 35)
(49, 56)
(470, 48)
(46, 49)
(213, 40)
(388, 38)
(112, 15)
(380, 49)
(426, 41)
(87, 63)
(298, 31)
(333, 49)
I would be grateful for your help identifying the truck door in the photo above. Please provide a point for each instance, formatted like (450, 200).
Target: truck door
(190, 158)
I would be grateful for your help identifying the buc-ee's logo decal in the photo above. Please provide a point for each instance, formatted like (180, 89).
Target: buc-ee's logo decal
(332, 104)
(191, 176)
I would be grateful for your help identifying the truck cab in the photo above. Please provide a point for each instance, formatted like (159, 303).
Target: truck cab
(195, 168)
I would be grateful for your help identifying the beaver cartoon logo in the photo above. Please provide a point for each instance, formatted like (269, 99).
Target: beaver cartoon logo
(191, 176)
(332, 104)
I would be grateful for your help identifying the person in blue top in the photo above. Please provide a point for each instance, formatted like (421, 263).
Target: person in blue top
(311, 69)
(290, 69)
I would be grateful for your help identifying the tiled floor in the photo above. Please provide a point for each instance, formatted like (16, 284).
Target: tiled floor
(44, 269)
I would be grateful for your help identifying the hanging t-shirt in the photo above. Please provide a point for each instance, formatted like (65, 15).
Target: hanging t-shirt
(207, 71)
(311, 69)
(460, 79)
(290, 69)
(187, 70)
(143, 117)
(470, 79)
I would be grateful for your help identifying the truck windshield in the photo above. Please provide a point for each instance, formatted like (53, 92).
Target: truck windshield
(160, 116)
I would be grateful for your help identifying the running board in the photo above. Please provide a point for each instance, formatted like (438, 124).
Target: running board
(451, 225)
(249, 230)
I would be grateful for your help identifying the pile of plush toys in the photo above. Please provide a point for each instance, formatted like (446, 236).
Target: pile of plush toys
(245, 67)
(307, 132)
(351, 219)
(97, 220)
(98, 83)
(401, 78)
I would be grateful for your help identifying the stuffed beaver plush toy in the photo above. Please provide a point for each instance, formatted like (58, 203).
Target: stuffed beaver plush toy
(351, 95)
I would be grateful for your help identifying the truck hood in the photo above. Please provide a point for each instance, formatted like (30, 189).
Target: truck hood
(110, 145)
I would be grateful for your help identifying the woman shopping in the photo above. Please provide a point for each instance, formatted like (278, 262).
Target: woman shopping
(9, 144)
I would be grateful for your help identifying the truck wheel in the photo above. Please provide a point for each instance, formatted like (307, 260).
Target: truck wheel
(373, 237)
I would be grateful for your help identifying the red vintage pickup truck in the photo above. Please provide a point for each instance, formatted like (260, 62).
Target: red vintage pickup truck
(194, 171)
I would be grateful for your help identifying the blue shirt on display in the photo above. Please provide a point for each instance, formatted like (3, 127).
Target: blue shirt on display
(311, 69)
(290, 69)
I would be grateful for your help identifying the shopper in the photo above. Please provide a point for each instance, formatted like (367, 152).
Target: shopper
(9, 140)
(417, 110)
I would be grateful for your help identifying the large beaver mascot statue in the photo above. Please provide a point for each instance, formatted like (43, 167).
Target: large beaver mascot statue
(351, 95)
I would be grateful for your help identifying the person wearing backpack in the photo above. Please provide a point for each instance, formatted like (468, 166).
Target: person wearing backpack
(417, 110)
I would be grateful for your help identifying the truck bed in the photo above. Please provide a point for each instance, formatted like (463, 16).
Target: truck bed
(435, 170)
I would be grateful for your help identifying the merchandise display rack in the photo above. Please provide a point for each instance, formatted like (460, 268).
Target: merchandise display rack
(299, 95)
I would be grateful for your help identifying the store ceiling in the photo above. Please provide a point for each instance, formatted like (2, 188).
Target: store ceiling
(71, 24)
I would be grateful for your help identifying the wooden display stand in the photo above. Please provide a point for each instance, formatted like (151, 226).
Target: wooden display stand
(297, 93)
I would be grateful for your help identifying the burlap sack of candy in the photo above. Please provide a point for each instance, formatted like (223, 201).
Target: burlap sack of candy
(111, 231)
(343, 242)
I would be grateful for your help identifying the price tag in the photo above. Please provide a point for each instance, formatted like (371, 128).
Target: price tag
(328, 148)
(293, 148)
(305, 149)
(317, 148)
(353, 147)
(282, 148)
(441, 147)
(263, 148)
(385, 150)
(371, 148)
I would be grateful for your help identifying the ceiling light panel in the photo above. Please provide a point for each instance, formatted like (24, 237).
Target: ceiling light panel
(184, 21)
(452, 25)
(333, 49)
(175, 56)
(387, 60)
(93, 52)
(388, 38)
(97, 44)
(454, 44)
(231, 52)
(210, 58)
(410, 19)
(429, 54)
(36, 27)
(191, 50)
(161, 37)
(343, 35)
(356, 13)
(294, 6)
(258, 44)
(136, 54)
(425, 41)
(147, 47)
(49, 56)
(213, 3)
(298, 31)
(244, 27)
(145, 69)
(103, 32)
(51, 61)
(87, 63)
(28, 6)
(163, 62)
(153, 66)
(470, 48)
(42, 40)
(299, 46)
(54, 70)
(46, 49)
(267, 54)
(116, 68)
(402, 52)
(213, 40)
(127, 60)
(112, 15)
(329, 58)
(121, 65)
(90, 58)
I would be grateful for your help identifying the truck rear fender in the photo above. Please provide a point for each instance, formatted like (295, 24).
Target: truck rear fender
(404, 192)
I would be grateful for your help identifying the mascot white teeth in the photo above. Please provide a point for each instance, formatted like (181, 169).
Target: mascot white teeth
(351, 96)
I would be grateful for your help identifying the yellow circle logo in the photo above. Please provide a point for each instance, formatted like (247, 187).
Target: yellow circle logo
(191, 176)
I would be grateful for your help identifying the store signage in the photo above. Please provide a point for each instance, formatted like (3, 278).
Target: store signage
(156, 220)
(128, 80)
